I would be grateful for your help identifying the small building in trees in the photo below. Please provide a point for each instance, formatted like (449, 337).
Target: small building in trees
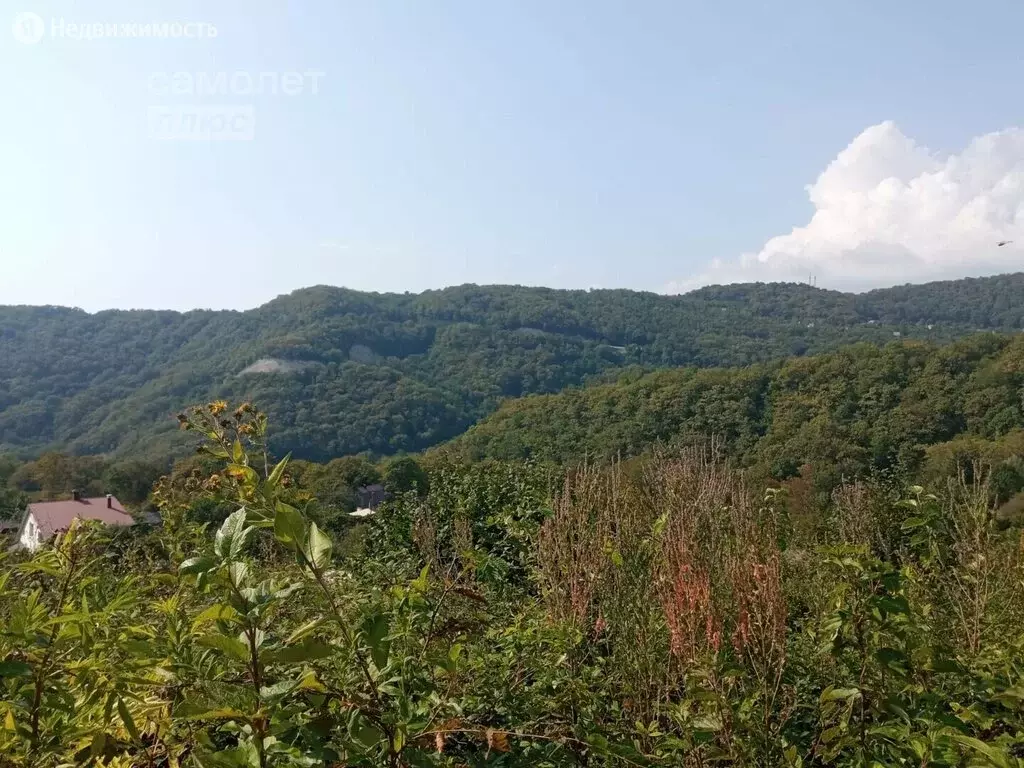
(368, 498)
(45, 518)
(371, 496)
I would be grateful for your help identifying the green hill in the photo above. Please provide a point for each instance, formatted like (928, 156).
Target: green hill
(341, 371)
(860, 408)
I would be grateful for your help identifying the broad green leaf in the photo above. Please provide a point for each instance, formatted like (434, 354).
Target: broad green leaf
(196, 565)
(421, 583)
(891, 656)
(319, 547)
(994, 755)
(216, 451)
(369, 735)
(897, 605)
(310, 683)
(231, 529)
(127, 719)
(375, 629)
(835, 694)
(231, 646)
(278, 689)
(15, 669)
(308, 650)
(197, 711)
(289, 527)
(99, 741)
(241, 541)
(238, 572)
(275, 475)
(303, 631)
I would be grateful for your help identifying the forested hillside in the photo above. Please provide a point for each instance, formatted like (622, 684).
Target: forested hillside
(342, 372)
(858, 410)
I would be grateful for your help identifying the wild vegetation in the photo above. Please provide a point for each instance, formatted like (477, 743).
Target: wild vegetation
(345, 372)
(334, 488)
(671, 610)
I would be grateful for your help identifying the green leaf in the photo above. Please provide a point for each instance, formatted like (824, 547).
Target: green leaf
(421, 583)
(196, 565)
(289, 527)
(139, 647)
(319, 547)
(238, 572)
(310, 683)
(995, 756)
(200, 711)
(897, 605)
(375, 629)
(275, 475)
(834, 694)
(229, 532)
(99, 741)
(303, 631)
(127, 719)
(15, 669)
(891, 656)
(308, 650)
(239, 542)
(278, 689)
(231, 646)
(369, 735)
(237, 452)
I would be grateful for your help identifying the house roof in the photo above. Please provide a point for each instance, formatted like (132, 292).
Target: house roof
(53, 516)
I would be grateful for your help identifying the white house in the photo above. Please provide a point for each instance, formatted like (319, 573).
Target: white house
(45, 518)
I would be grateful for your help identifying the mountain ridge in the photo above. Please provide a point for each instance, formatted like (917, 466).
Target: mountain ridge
(696, 293)
(402, 372)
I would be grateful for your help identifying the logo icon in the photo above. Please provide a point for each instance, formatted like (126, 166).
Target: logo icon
(28, 27)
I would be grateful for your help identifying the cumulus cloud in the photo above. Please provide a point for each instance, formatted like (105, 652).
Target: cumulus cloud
(888, 210)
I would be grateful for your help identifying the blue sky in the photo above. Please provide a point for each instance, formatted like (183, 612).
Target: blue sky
(650, 145)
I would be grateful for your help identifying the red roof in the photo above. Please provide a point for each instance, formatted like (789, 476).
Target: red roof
(53, 516)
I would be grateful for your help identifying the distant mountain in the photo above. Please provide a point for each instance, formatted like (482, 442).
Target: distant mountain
(342, 371)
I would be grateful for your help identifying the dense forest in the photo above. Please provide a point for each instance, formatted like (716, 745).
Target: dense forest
(343, 372)
(667, 611)
(855, 412)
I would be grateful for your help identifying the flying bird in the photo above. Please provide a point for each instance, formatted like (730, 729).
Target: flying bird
(1001, 243)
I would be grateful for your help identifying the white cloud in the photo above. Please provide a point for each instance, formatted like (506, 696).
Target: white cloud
(889, 211)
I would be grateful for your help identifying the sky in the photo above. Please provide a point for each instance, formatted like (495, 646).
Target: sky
(400, 145)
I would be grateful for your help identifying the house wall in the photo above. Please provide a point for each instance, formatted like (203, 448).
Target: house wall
(30, 533)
